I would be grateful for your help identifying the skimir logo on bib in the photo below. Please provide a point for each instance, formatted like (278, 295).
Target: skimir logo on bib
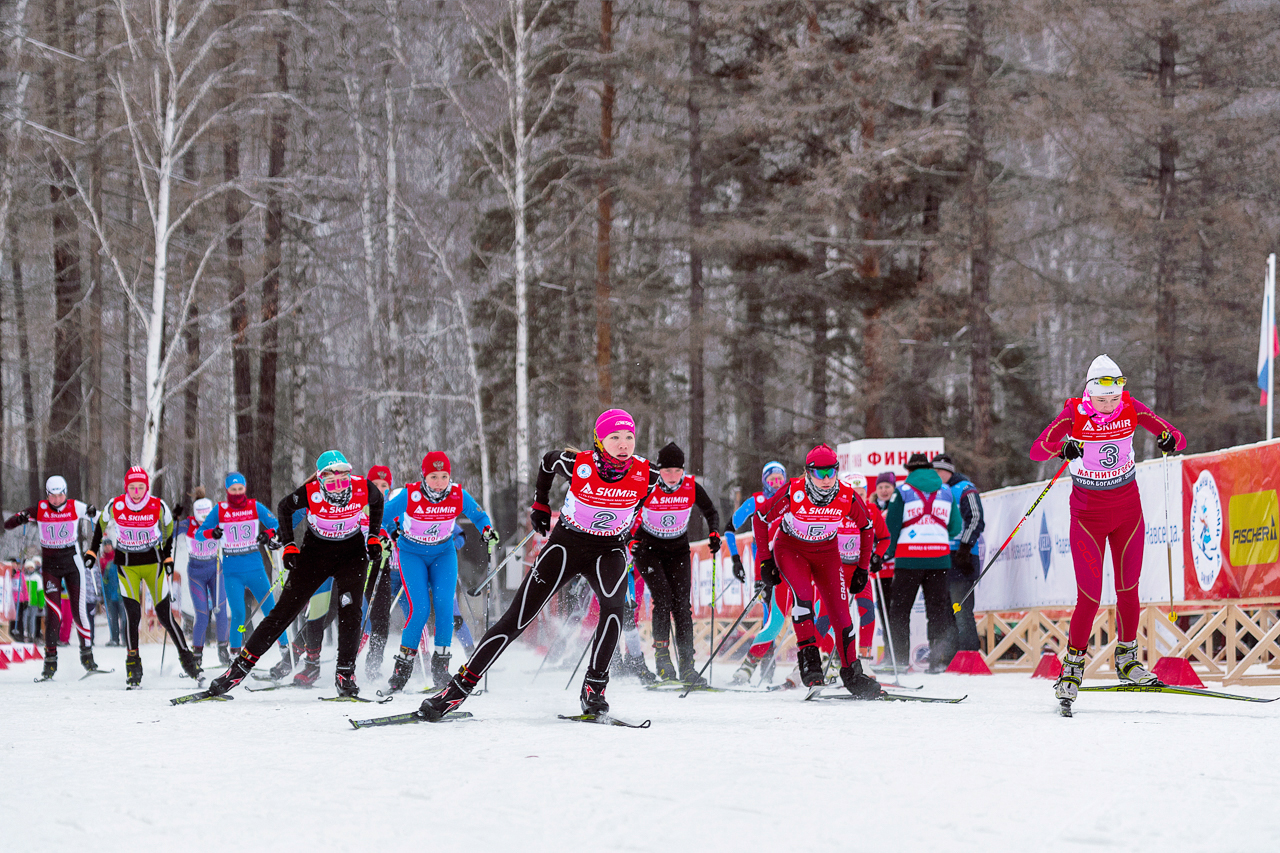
(1206, 530)
(1045, 545)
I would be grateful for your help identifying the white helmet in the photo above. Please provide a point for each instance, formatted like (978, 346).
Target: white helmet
(1103, 366)
(55, 485)
(854, 478)
(202, 508)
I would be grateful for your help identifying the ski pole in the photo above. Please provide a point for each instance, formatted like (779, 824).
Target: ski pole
(1168, 537)
(727, 635)
(956, 607)
(475, 590)
(711, 640)
(888, 632)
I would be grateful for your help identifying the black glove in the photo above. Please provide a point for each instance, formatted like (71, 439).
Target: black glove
(713, 541)
(877, 563)
(290, 557)
(541, 521)
(1072, 448)
(858, 582)
(457, 622)
(738, 571)
(177, 510)
(20, 518)
(216, 532)
(90, 559)
(769, 572)
(1166, 442)
(396, 533)
(264, 536)
(91, 510)
(761, 587)
(374, 549)
(168, 567)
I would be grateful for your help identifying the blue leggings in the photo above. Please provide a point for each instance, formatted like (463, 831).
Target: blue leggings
(432, 575)
(204, 588)
(259, 585)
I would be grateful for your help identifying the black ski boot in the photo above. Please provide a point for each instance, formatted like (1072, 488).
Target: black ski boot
(224, 654)
(234, 675)
(809, 659)
(460, 686)
(310, 672)
(86, 660)
(345, 680)
(635, 665)
(50, 664)
(198, 651)
(132, 670)
(689, 673)
(404, 668)
(284, 667)
(662, 663)
(189, 663)
(858, 683)
(440, 668)
(592, 696)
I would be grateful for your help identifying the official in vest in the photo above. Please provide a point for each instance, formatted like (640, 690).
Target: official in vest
(921, 527)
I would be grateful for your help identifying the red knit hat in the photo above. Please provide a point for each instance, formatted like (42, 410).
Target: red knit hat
(436, 460)
(137, 474)
(380, 472)
(821, 456)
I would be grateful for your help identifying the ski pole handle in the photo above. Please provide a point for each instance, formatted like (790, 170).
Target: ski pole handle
(956, 607)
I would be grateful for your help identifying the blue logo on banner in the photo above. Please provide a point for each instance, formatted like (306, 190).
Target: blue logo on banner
(1046, 544)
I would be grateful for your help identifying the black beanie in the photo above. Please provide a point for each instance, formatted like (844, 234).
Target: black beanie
(671, 456)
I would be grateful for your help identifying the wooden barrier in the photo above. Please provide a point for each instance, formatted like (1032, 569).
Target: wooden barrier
(1232, 642)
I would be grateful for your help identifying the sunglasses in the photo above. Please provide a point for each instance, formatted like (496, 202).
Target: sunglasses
(335, 480)
(825, 472)
(1109, 381)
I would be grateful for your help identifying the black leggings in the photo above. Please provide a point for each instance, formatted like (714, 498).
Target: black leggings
(937, 608)
(664, 564)
(602, 561)
(345, 562)
(59, 567)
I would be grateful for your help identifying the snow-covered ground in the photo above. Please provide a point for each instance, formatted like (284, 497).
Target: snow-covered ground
(86, 763)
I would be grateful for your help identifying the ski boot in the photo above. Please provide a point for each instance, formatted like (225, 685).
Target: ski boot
(50, 664)
(403, 669)
(132, 670)
(635, 665)
(460, 686)
(284, 667)
(662, 663)
(1128, 667)
(689, 674)
(189, 664)
(809, 659)
(87, 661)
(310, 672)
(748, 669)
(1068, 683)
(440, 666)
(198, 651)
(592, 696)
(234, 675)
(345, 680)
(224, 654)
(858, 683)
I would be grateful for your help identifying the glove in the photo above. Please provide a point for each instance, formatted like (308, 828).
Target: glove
(214, 533)
(167, 565)
(395, 534)
(858, 582)
(738, 571)
(177, 510)
(374, 547)
(21, 518)
(91, 510)
(264, 536)
(540, 518)
(877, 563)
(713, 541)
(90, 559)
(1072, 448)
(290, 557)
(1166, 442)
(761, 587)
(490, 538)
(269, 539)
(769, 572)
(457, 622)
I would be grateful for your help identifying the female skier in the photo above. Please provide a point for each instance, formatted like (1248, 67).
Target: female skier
(426, 513)
(1095, 432)
(802, 550)
(606, 486)
(661, 554)
(59, 522)
(777, 600)
(339, 507)
(241, 525)
(144, 555)
(207, 592)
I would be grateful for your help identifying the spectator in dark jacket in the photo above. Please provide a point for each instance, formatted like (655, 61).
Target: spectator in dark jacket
(965, 561)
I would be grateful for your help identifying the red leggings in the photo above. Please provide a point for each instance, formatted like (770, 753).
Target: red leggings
(805, 565)
(1099, 517)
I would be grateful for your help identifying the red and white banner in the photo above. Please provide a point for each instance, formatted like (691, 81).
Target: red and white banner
(870, 456)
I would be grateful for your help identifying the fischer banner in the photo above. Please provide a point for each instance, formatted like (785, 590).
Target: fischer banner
(1232, 550)
(1036, 569)
(870, 456)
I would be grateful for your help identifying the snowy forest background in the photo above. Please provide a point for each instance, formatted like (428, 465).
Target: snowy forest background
(239, 233)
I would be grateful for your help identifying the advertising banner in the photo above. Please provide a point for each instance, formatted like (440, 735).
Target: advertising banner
(1232, 550)
(1036, 569)
(872, 455)
(730, 595)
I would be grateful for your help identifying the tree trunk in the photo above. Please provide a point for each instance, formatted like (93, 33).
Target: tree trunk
(97, 284)
(979, 217)
(604, 216)
(1166, 265)
(520, 96)
(873, 386)
(477, 406)
(24, 355)
(697, 332)
(819, 370)
(191, 404)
